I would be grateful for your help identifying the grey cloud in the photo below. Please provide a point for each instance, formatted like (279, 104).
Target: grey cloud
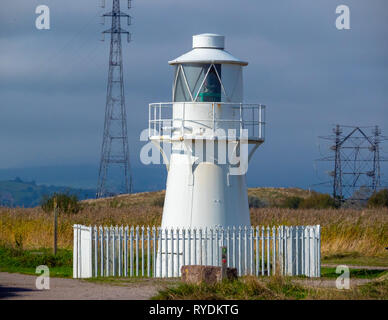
(311, 76)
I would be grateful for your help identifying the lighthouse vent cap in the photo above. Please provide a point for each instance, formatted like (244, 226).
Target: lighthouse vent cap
(208, 40)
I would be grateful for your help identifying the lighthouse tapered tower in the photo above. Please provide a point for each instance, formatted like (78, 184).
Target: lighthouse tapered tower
(209, 129)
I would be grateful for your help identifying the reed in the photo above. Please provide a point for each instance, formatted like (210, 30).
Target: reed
(343, 230)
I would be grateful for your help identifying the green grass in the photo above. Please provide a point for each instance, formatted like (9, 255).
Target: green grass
(245, 288)
(273, 288)
(355, 258)
(354, 273)
(375, 290)
(125, 281)
(59, 272)
(25, 261)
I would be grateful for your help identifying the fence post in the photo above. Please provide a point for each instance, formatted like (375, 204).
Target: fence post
(290, 261)
(273, 250)
(189, 245)
(208, 255)
(234, 247)
(126, 251)
(245, 250)
(176, 232)
(319, 250)
(285, 249)
(101, 251)
(302, 251)
(304, 256)
(113, 250)
(308, 251)
(200, 247)
(268, 253)
(239, 251)
(142, 251)
(262, 250)
(251, 251)
(311, 252)
(137, 250)
(281, 254)
(148, 252)
(160, 244)
(280, 258)
(107, 231)
(154, 251)
(177, 251)
(206, 239)
(228, 246)
(131, 234)
(291, 251)
(257, 237)
(75, 251)
(313, 245)
(297, 251)
(166, 251)
(90, 273)
(95, 251)
(195, 245)
(183, 246)
(120, 255)
(172, 251)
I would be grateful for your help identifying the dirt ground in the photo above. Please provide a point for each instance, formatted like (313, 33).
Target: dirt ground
(22, 287)
(15, 286)
(329, 283)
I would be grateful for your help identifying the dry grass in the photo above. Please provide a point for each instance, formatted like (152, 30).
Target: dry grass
(245, 288)
(346, 230)
(343, 230)
(271, 288)
(276, 196)
(35, 227)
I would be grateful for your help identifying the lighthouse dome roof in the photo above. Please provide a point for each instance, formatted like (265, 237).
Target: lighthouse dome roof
(208, 48)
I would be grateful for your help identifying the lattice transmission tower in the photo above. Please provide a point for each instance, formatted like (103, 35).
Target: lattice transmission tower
(356, 158)
(115, 173)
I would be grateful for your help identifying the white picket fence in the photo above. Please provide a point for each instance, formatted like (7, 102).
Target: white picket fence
(156, 252)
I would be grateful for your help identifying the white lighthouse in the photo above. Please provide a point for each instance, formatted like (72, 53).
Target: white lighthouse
(205, 125)
(208, 128)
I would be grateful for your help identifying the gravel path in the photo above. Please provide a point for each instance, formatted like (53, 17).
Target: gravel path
(329, 283)
(20, 286)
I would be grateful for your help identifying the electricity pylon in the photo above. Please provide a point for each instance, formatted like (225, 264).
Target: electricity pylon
(356, 162)
(115, 172)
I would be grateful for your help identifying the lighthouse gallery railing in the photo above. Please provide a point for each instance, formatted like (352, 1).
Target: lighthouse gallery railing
(137, 251)
(163, 123)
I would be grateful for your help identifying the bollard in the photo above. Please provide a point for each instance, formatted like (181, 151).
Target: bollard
(223, 262)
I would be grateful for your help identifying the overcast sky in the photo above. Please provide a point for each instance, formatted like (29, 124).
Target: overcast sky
(310, 75)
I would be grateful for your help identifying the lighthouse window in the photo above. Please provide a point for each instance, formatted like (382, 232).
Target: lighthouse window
(195, 73)
(211, 89)
(181, 93)
(191, 84)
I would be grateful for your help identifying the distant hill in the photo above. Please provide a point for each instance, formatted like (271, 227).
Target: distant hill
(269, 196)
(145, 178)
(275, 196)
(19, 193)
